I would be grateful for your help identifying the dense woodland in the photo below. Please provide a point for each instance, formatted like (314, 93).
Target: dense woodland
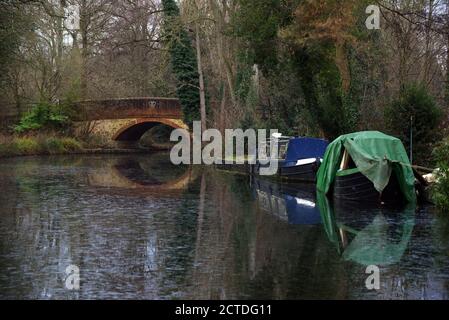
(305, 67)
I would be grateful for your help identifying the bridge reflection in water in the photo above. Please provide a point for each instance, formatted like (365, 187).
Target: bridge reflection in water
(151, 175)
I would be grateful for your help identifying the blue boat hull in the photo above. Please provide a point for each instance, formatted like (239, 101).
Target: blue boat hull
(306, 172)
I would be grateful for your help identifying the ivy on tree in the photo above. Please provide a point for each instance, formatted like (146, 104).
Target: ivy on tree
(183, 61)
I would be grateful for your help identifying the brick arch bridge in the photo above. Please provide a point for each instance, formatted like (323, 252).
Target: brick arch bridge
(122, 122)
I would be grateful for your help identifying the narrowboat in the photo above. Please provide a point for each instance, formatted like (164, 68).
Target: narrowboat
(299, 158)
(367, 167)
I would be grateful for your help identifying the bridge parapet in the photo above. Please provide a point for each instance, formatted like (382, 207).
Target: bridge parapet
(129, 108)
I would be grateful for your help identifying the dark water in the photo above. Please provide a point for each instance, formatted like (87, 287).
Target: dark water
(140, 228)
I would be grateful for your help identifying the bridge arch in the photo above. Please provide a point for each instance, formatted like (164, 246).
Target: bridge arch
(120, 123)
(136, 129)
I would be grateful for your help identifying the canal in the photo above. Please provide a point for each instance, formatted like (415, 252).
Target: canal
(138, 227)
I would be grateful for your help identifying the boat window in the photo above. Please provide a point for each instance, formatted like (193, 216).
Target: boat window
(283, 150)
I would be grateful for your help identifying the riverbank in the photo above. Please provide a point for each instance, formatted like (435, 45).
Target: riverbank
(15, 146)
(11, 146)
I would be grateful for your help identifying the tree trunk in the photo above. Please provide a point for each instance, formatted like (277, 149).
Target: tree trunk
(59, 51)
(428, 56)
(447, 57)
(341, 61)
(219, 17)
(222, 110)
(84, 49)
(201, 78)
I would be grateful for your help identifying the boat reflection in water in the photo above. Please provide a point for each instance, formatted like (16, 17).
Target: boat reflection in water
(357, 235)
(292, 203)
(368, 234)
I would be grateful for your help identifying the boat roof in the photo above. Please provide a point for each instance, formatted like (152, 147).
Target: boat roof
(305, 148)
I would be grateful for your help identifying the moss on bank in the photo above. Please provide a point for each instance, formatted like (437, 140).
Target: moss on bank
(36, 145)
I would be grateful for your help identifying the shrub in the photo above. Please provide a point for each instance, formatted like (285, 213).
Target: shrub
(54, 146)
(5, 149)
(71, 144)
(440, 192)
(414, 101)
(26, 146)
(43, 116)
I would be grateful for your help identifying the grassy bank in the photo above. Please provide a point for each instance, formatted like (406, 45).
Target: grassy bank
(11, 146)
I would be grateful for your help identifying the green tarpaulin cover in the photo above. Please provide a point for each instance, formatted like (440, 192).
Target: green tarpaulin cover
(376, 156)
